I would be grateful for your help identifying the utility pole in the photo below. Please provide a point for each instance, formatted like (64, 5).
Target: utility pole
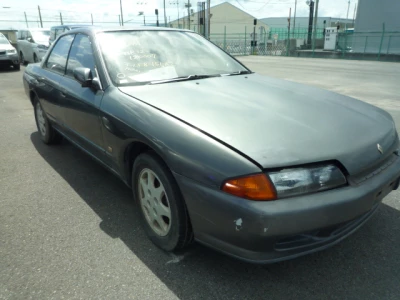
(348, 7)
(144, 20)
(26, 20)
(165, 16)
(288, 33)
(188, 7)
(61, 19)
(119, 20)
(254, 37)
(354, 14)
(315, 24)
(310, 22)
(156, 12)
(40, 17)
(122, 16)
(92, 18)
(294, 18)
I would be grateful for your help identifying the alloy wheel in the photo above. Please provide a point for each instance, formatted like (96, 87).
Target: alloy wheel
(41, 121)
(154, 202)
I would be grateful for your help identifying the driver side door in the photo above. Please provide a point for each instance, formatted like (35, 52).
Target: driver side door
(81, 111)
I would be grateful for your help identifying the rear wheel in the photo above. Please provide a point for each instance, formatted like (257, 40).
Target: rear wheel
(17, 67)
(46, 131)
(35, 58)
(162, 207)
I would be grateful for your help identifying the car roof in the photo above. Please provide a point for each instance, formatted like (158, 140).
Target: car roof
(96, 29)
(34, 29)
(72, 26)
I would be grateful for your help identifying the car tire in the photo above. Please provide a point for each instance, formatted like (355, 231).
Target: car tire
(35, 58)
(17, 67)
(22, 58)
(46, 131)
(162, 208)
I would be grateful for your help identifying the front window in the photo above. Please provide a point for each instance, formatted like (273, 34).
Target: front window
(41, 37)
(140, 57)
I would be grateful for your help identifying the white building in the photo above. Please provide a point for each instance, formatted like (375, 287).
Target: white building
(224, 18)
(371, 15)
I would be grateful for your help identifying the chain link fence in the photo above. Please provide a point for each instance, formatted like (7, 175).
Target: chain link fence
(380, 45)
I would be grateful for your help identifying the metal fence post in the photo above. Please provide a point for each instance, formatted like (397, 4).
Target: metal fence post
(380, 46)
(366, 42)
(390, 39)
(265, 44)
(225, 37)
(245, 40)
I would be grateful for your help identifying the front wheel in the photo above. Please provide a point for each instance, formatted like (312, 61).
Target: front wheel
(35, 58)
(16, 67)
(162, 207)
(46, 131)
(22, 58)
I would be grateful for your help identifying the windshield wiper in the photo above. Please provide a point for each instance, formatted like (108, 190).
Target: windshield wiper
(184, 78)
(238, 73)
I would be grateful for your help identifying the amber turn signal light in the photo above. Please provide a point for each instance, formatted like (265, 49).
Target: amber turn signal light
(252, 187)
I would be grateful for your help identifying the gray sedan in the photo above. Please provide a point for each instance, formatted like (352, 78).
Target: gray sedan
(259, 168)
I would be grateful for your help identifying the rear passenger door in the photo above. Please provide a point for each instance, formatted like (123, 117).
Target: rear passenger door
(81, 113)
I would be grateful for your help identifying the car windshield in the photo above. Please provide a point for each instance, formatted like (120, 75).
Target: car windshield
(41, 37)
(3, 40)
(142, 57)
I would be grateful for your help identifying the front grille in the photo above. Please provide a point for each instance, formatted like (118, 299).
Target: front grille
(374, 170)
(2, 52)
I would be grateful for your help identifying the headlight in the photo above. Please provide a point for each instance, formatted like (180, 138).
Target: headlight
(11, 52)
(293, 182)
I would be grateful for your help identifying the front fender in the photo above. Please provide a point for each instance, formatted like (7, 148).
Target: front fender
(185, 150)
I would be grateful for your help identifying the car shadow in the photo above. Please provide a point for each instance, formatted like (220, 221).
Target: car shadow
(8, 69)
(365, 266)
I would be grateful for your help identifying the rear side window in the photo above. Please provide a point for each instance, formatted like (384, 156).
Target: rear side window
(22, 35)
(81, 55)
(59, 31)
(57, 60)
(52, 34)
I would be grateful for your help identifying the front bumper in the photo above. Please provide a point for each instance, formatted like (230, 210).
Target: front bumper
(9, 59)
(266, 232)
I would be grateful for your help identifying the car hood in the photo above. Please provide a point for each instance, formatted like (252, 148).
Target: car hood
(4, 47)
(277, 123)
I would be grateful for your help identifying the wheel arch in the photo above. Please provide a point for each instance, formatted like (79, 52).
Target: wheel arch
(131, 152)
(32, 96)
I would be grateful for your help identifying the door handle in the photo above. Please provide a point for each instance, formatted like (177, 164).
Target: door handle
(63, 95)
(106, 123)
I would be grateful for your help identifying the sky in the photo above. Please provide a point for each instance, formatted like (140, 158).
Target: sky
(12, 12)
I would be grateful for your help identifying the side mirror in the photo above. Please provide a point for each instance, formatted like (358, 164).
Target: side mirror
(30, 40)
(84, 76)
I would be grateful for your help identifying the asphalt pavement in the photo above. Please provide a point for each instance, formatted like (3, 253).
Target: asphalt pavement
(70, 230)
